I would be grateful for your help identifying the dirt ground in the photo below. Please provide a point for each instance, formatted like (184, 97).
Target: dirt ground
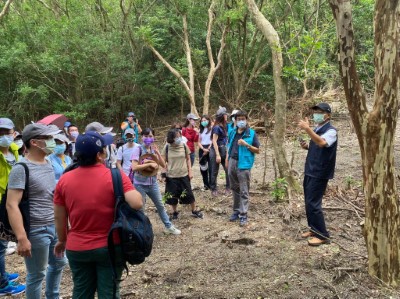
(214, 258)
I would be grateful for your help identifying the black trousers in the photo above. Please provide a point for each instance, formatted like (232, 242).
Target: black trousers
(314, 190)
(204, 161)
(214, 167)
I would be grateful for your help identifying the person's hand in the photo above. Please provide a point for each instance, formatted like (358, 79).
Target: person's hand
(155, 148)
(59, 249)
(242, 142)
(218, 159)
(205, 151)
(303, 144)
(190, 174)
(151, 164)
(304, 124)
(24, 248)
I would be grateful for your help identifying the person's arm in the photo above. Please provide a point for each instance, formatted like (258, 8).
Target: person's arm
(137, 167)
(188, 162)
(14, 197)
(132, 196)
(214, 142)
(60, 220)
(124, 125)
(305, 126)
(138, 127)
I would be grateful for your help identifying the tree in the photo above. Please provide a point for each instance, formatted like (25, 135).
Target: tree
(375, 131)
(278, 137)
(5, 9)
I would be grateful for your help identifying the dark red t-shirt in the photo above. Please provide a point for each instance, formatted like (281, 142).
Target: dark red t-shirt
(87, 194)
(192, 136)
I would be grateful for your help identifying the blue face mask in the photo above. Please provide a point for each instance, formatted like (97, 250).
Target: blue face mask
(241, 124)
(6, 140)
(178, 140)
(318, 118)
(59, 149)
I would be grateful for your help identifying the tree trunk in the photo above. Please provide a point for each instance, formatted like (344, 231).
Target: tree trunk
(213, 67)
(192, 99)
(278, 138)
(375, 132)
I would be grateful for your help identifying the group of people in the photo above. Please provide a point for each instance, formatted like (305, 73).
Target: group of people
(72, 199)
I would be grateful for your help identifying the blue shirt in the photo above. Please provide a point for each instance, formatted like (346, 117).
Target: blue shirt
(57, 164)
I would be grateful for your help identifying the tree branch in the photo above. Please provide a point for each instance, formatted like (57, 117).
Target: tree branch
(5, 9)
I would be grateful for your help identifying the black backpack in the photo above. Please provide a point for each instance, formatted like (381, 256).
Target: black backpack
(134, 227)
(6, 232)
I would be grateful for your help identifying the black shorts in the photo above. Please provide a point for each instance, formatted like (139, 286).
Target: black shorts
(178, 190)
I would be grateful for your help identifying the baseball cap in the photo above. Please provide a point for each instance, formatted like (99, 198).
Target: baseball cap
(108, 138)
(6, 123)
(98, 127)
(221, 111)
(129, 131)
(192, 116)
(323, 107)
(90, 143)
(234, 112)
(62, 137)
(37, 129)
(131, 114)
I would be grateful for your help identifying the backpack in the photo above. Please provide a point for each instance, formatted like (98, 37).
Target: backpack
(6, 232)
(134, 227)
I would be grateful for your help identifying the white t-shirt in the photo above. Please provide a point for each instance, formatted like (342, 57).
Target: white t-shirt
(205, 138)
(124, 154)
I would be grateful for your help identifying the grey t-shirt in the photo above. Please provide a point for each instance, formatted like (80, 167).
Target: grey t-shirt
(42, 183)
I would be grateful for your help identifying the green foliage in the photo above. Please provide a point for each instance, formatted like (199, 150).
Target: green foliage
(91, 62)
(279, 189)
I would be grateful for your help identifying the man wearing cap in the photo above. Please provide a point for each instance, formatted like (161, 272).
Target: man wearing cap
(8, 157)
(37, 244)
(191, 133)
(131, 122)
(232, 124)
(319, 168)
(125, 151)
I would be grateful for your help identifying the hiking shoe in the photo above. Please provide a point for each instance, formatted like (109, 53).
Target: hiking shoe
(214, 193)
(197, 214)
(234, 217)
(175, 215)
(12, 276)
(306, 235)
(317, 242)
(12, 289)
(228, 192)
(172, 231)
(243, 220)
(11, 248)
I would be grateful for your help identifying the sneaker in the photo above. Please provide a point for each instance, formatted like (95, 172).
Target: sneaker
(10, 251)
(234, 217)
(243, 220)
(174, 215)
(214, 193)
(197, 214)
(172, 230)
(12, 289)
(12, 276)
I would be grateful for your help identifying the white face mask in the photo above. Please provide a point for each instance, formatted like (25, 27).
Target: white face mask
(19, 143)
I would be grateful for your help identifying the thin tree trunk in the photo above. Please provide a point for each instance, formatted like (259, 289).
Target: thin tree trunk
(213, 67)
(375, 132)
(278, 138)
(192, 99)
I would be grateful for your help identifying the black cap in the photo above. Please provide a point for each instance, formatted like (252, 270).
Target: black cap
(323, 107)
